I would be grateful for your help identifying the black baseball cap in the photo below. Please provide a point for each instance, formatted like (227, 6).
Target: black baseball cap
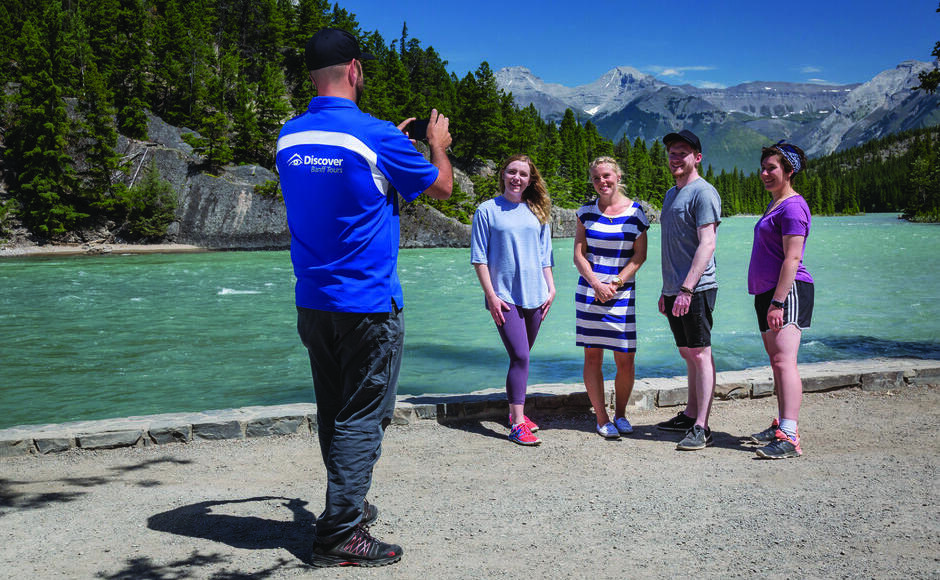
(683, 135)
(331, 46)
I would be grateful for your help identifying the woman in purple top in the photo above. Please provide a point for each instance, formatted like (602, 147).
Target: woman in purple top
(783, 292)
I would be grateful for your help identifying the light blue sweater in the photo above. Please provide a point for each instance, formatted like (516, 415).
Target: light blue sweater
(509, 239)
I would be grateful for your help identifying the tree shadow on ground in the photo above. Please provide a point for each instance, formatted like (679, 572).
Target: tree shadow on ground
(244, 532)
(146, 569)
(15, 494)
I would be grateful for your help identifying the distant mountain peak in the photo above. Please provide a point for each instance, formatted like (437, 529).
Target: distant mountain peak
(625, 102)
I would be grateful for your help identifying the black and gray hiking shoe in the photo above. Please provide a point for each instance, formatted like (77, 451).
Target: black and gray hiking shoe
(359, 549)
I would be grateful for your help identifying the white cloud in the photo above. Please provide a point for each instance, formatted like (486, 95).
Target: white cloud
(707, 85)
(809, 69)
(676, 71)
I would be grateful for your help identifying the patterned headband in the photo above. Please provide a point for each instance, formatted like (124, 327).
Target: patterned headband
(790, 153)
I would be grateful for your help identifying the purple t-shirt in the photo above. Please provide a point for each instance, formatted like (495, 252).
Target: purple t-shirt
(790, 218)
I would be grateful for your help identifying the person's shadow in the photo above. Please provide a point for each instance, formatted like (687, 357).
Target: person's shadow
(247, 532)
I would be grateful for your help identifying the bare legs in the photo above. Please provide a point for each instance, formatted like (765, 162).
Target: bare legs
(701, 372)
(594, 382)
(782, 347)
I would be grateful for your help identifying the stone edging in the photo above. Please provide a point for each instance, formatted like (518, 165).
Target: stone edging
(872, 374)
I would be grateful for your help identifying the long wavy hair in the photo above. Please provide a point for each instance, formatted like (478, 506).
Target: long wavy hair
(613, 163)
(536, 194)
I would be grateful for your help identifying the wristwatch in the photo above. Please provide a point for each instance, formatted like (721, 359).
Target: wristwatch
(617, 281)
(776, 303)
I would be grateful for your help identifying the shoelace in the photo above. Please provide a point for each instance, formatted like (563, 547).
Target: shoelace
(521, 430)
(360, 543)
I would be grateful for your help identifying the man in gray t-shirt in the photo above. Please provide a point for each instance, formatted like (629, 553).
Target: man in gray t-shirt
(690, 217)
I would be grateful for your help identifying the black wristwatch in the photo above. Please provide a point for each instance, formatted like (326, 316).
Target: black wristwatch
(776, 303)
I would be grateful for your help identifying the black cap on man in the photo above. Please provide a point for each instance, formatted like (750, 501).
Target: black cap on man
(683, 135)
(331, 46)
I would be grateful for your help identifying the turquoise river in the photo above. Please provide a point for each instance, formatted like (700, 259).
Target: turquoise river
(91, 337)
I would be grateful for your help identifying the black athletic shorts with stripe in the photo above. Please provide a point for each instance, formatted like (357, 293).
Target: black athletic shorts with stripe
(797, 306)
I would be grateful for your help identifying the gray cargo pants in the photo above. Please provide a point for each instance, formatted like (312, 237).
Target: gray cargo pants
(355, 359)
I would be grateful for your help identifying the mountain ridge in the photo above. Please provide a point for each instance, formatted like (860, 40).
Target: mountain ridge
(734, 122)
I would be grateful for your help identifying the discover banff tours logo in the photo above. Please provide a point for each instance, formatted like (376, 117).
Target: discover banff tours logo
(317, 164)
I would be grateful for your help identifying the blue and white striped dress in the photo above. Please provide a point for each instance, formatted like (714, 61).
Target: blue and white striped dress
(611, 325)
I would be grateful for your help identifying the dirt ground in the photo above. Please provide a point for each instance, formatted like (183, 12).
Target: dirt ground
(463, 502)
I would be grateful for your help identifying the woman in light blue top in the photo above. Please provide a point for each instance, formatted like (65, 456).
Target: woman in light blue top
(511, 251)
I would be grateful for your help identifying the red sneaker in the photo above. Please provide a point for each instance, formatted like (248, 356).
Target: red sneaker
(522, 435)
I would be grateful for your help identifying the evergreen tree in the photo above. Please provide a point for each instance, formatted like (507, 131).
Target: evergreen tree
(573, 152)
(98, 138)
(149, 207)
(182, 52)
(43, 176)
(480, 127)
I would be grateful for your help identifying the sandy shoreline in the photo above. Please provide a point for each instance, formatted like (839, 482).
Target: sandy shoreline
(94, 249)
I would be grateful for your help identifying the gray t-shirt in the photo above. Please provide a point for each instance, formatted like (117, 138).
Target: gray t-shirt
(684, 211)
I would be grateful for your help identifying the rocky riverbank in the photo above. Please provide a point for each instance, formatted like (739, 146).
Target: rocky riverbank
(871, 375)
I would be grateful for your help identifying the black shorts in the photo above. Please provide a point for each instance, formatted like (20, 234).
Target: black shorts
(797, 306)
(694, 329)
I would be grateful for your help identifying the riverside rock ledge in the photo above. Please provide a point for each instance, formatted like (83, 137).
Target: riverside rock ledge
(879, 374)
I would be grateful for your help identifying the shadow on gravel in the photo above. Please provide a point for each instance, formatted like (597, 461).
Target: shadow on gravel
(245, 532)
(475, 426)
(146, 569)
(16, 495)
(720, 439)
(151, 463)
(13, 499)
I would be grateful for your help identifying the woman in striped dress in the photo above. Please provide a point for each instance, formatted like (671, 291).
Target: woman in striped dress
(609, 247)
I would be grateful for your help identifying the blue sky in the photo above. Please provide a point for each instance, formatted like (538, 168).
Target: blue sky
(707, 43)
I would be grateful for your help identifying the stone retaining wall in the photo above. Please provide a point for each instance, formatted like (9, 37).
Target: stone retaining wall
(247, 422)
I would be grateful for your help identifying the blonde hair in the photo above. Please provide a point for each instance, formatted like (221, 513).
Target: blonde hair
(536, 194)
(605, 160)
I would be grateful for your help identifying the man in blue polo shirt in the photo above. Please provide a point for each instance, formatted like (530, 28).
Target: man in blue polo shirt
(341, 174)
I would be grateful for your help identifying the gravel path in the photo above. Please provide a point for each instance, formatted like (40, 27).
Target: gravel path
(465, 503)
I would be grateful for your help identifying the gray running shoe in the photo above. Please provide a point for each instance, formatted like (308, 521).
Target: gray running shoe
(680, 423)
(782, 447)
(767, 435)
(696, 438)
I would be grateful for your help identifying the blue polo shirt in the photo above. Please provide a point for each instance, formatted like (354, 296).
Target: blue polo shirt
(341, 172)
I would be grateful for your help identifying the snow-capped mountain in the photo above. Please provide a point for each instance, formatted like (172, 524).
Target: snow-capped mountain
(734, 122)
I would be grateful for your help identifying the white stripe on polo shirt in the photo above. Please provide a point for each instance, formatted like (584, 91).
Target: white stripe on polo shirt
(336, 139)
